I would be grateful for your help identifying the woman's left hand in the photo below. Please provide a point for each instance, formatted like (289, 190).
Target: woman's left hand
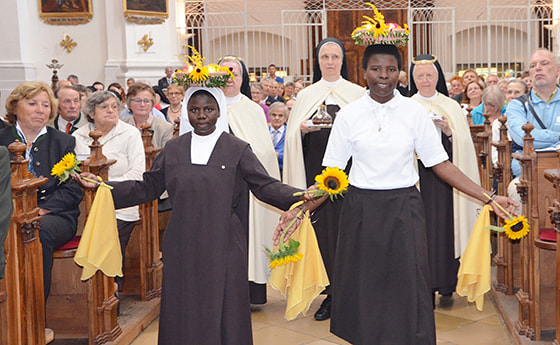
(285, 220)
(507, 204)
(444, 125)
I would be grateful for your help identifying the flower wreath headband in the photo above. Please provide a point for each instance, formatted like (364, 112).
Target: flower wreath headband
(195, 73)
(376, 31)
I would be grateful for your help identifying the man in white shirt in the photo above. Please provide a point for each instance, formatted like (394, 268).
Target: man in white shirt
(277, 115)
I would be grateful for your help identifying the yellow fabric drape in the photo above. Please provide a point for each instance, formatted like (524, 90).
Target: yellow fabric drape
(474, 272)
(99, 248)
(301, 282)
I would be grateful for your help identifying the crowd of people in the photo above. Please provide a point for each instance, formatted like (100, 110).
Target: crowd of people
(238, 142)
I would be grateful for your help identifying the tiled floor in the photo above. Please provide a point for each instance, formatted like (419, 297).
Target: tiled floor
(457, 323)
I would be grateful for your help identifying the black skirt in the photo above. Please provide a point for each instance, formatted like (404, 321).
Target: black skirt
(381, 290)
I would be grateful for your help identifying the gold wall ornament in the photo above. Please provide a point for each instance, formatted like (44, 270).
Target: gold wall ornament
(67, 43)
(56, 12)
(146, 42)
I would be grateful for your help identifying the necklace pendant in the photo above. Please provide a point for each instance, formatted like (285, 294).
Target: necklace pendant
(379, 129)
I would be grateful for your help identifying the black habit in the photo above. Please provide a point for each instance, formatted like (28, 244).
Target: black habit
(326, 217)
(438, 204)
(205, 297)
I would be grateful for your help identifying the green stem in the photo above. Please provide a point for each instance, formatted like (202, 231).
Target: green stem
(288, 228)
(499, 206)
(101, 183)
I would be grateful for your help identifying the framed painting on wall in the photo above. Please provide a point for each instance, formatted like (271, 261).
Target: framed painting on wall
(146, 11)
(65, 12)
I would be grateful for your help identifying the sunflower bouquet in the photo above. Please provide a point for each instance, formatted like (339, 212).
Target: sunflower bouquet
(332, 182)
(70, 165)
(376, 31)
(515, 228)
(195, 73)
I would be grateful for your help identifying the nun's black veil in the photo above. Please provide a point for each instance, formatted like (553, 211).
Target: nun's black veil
(317, 71)
(441, 86)
(245, 86)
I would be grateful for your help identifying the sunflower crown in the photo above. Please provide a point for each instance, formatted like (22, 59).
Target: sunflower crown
(376, 31)
(195, 73)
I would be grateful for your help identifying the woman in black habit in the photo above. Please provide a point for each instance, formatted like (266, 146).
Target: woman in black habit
(205, 295)
(381, 288)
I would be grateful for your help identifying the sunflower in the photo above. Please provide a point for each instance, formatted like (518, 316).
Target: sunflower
(199, 74)
(516, 228)
(285, 254)
(333, 181)
(67, 165)
(380, 29)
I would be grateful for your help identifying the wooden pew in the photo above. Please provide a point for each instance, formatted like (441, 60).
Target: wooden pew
(507, 256)
(484, 153)
(77, 309)
(22, 301)
(143, 260)
(553, 175)
(536, 296)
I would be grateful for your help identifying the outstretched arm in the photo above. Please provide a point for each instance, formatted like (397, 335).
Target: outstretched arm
(455, 177)
(287, 217)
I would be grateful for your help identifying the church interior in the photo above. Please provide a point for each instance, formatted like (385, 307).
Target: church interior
(108, 41)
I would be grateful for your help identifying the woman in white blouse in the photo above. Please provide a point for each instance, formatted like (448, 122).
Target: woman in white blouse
(121, 142)
(381, 283)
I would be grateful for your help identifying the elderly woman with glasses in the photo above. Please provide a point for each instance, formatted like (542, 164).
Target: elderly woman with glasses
(121, 142)
(175, 94)
(141, 99)
(493, 104)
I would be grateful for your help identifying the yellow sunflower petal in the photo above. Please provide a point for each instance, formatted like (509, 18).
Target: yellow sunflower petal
(516, 228)
(333, 181)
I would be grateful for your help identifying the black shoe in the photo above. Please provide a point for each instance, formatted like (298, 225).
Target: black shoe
(324, 312)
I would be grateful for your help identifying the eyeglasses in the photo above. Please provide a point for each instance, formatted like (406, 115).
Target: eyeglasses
(175, 94)
(105, 107)
(140, 100)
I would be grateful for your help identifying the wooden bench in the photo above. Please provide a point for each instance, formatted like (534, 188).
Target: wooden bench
(22, 301)
(482, 144)
(143, 259)
(77, 309)
(507, 258)
(536, 296)
(96, 297)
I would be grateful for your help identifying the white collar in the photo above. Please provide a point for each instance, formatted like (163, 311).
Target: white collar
(234, 100)
(427, 98)
(389, 104)
(331, 83)
(20, 132)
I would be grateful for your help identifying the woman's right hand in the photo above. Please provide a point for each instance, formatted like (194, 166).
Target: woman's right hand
(306, 129)
(84, 183)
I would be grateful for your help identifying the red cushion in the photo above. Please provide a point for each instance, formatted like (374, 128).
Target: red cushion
(547, 235)
(72, 244)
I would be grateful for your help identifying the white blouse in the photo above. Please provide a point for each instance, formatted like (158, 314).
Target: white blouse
(382, 140)
(123, 143)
